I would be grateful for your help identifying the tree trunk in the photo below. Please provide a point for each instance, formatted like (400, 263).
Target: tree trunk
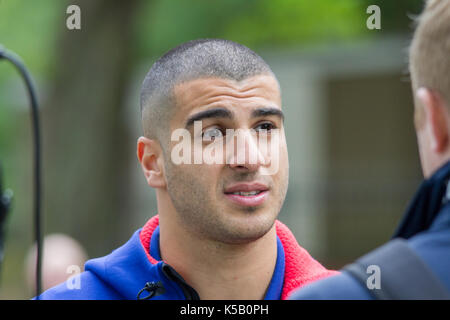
(86, 145)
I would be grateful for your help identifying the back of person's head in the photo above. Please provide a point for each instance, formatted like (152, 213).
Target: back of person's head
(430, 50)
(430, 75)
(62, 257)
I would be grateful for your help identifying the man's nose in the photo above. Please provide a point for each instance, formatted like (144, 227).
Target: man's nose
(245, 153)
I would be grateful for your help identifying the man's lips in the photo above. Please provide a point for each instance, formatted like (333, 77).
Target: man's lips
(246, 187)
(247, 194)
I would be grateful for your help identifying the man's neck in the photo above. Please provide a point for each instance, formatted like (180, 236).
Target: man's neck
(218, 270)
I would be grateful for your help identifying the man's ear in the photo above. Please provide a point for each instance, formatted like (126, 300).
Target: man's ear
(150, 156)
(436, 119)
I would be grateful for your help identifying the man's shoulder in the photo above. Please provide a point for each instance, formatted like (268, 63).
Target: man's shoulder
(85, 286)
(430, 246)
(339, 287)
(433, 247)
(118, 275)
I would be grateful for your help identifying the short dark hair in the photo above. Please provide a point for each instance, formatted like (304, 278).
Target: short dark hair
(189, 61)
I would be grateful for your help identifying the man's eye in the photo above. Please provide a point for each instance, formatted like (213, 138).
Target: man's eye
(212, 133)
(267, 126)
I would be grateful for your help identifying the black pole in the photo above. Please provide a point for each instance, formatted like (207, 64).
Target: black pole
(15, 60)
(5, 202)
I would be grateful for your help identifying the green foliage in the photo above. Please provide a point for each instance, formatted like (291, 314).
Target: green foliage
(255, 23)
(30, 28)
(291, 22)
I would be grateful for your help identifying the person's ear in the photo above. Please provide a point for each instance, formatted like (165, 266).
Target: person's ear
(436, 119)
(150, 156)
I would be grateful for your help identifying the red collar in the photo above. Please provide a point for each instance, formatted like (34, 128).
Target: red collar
(300, 267)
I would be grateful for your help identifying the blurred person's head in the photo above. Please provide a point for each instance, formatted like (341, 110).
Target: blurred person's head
(226, 86)
(61, 254)
(430, 75)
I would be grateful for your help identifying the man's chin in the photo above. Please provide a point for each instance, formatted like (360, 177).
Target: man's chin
(243, 227)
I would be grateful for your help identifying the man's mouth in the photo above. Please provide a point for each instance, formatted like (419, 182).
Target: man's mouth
(247, 194)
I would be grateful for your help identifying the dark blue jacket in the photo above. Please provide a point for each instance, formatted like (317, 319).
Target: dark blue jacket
(426, 226)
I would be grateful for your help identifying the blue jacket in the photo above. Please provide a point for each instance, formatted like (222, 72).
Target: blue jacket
(426, 226)
(135, 271)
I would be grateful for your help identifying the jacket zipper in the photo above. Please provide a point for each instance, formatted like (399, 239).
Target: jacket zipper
(188, 291)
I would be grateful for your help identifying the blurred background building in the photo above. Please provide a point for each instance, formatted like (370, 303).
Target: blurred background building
(346, 93)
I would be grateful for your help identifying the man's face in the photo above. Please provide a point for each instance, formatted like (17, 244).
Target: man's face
(218, 201)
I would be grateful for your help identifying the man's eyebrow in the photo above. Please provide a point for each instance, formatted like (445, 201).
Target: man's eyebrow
(268, 111)
(210, 113)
